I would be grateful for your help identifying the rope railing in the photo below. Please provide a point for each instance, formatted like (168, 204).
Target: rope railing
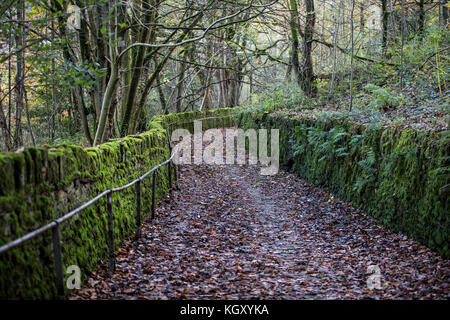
(55, 224)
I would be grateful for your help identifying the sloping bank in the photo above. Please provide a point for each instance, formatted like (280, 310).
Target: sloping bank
(41, 184)
(399, 176)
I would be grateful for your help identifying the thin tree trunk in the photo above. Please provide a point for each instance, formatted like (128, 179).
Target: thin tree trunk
(288, 75)
(362, 22)
(138, 63)
(69, 59)
(10, 40)
(403, 43)
(19, 80)
(307, 78)
(391, 19)
(294, 39)
(5, 130)
(385, 20)
(162, 98)
(421, 18)
(206, 101)
(106, 103)
(47, 104)
(353, 48)
(27, 113)
(54, 107)
(180, 84)
(110, 88)
(100, 55)
(445, 12)
(335, 40)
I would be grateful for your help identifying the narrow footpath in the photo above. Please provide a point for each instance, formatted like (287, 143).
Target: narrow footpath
(231, 233)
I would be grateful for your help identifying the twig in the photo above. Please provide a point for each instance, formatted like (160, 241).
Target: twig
(431, 56)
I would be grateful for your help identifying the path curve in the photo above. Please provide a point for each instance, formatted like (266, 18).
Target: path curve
(230, 233)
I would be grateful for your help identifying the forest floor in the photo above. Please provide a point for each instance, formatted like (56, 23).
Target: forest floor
(377, 100)
(417, 113)
(415, 117)
(231, 233)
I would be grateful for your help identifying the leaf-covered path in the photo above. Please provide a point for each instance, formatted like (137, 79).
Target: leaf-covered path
(231, 233)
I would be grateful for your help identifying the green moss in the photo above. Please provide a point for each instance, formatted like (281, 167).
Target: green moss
(7, 182)
(37, 186)
(405, 185)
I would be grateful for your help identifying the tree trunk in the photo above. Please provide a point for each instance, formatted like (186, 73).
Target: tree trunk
(295, 64)
(106, 103)
(335, 41)
(205, 82)
(111, 86)
(392, 20)
(180, 84)
(307, 78)
(353, 49)
(138, 62)
(421, 17)
(162, 98)
(403, 43)
(19, 79)
(385, 20)
(445, 12)
(362, 22)
(27, 113)
(4, 127)
(69, 59)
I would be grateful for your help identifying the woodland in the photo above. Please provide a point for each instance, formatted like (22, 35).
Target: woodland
(91, 89)
(84, 71)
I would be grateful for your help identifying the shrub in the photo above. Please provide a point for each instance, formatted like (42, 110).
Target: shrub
(382, 98)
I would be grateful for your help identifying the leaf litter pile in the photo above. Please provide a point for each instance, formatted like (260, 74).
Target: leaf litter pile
(231, 233)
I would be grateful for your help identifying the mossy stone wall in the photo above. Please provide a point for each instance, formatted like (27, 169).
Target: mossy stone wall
(399, 176)
(40, 184)
(405, 186)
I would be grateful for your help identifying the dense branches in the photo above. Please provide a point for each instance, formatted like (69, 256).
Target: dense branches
(127, 60)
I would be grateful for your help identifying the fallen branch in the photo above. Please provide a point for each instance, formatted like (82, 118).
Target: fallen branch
(330, 45)
(431, 56)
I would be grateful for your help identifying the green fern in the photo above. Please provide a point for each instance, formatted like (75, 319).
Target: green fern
(356, 142)
(382, 98)
(369, 171)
